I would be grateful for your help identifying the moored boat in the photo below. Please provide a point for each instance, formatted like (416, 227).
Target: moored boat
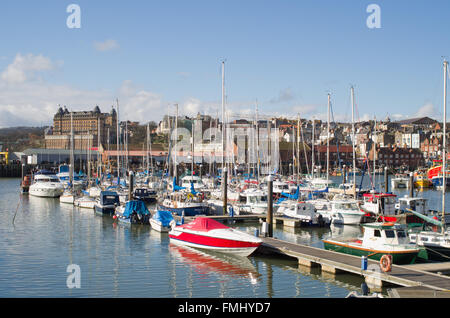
(206, 233)
(134, 212)
(304, 212)
(46, 184)
(346, 212)
(107, 202)
(161, 221)
(379, 239)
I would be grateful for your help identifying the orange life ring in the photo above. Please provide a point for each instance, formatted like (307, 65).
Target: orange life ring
(386, 263)
(388, 224)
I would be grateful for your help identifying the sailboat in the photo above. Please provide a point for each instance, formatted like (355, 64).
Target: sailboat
(436, 244)
(68, 195)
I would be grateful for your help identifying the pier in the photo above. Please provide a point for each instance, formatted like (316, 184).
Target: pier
(334, 263)
(415, 280)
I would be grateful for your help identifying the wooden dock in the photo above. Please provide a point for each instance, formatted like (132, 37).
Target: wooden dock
(334, 263)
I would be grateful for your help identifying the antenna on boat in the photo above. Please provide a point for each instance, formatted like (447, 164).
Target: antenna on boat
(444, 145)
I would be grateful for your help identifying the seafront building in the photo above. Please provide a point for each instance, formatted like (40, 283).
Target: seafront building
(89, 127)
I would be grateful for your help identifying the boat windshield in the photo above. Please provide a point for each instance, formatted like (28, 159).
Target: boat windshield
(389, 200)
(49, 180)
(347, 206)
(257, 199)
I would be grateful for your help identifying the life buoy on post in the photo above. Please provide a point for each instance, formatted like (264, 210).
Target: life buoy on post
(386, 263)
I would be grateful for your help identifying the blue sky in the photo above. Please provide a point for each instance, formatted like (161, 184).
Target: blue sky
(286, 54)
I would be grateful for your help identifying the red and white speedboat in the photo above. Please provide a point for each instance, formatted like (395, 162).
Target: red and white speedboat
(210, 234)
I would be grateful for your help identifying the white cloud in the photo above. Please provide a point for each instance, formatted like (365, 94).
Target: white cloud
(285, 95)
(25, 67)
(427, 110)
(106, 45)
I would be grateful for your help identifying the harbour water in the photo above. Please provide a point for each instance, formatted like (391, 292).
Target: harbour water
(40, 238)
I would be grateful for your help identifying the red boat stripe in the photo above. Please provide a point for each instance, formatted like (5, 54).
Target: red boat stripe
(212, 241)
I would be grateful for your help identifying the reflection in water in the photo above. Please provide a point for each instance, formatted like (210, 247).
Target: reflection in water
(345, 231)
(120, 261)
(205, 263)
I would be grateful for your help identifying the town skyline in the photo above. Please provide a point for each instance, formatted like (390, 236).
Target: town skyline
(284, 57)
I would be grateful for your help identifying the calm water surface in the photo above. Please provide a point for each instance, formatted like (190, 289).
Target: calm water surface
(134, 261)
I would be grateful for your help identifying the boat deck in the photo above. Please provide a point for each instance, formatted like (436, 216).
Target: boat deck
(334, 262)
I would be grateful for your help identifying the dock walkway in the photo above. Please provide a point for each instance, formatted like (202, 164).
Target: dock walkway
(335, 262)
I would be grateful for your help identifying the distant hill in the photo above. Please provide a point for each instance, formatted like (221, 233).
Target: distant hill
(21, 138)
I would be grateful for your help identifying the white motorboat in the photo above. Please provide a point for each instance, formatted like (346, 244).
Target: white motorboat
(305, 212)
(46, 184)
(253, 201)
(67, 197)
(85, 201)
(161, 221)
(206, 233)
(346, 212)
(400, 181)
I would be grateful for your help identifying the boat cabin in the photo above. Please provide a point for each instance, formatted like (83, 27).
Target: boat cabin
(379, 203)
(46, 178)
(253, 196)
(109, 198)
(412, 203)
(196, 180)
(377, 235)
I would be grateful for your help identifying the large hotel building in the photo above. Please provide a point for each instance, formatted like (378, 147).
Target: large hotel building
(89, 127)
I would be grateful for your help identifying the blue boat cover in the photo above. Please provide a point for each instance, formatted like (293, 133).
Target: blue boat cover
(291, 196)
(165, 217)
(135, 206)
(109, 197)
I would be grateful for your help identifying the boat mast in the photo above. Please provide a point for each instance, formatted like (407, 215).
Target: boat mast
(444, 145)
(353, 137)
(99, 165)
(71, 171)
(257, 142)
(303, 144)
(313, 163)
(192, 150)
(374, 152)
(328, 139)
(298, 148)
(175, 168)
(223, 116)
(118, 143)
(148, 141)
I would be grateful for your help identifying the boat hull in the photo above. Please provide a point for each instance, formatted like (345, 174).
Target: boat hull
(437, 253)
(45, 192)
(105, 209)
(223, 245)
(398, 257)
(157, 226)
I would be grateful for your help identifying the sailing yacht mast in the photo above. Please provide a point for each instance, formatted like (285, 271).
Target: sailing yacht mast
(353, 137)
(118, 143)
(328, 139)
(72, 163)
(444, 145)
(223, 116)
(313, 163)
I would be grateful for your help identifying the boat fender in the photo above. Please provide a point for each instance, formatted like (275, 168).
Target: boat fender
(386, 263)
